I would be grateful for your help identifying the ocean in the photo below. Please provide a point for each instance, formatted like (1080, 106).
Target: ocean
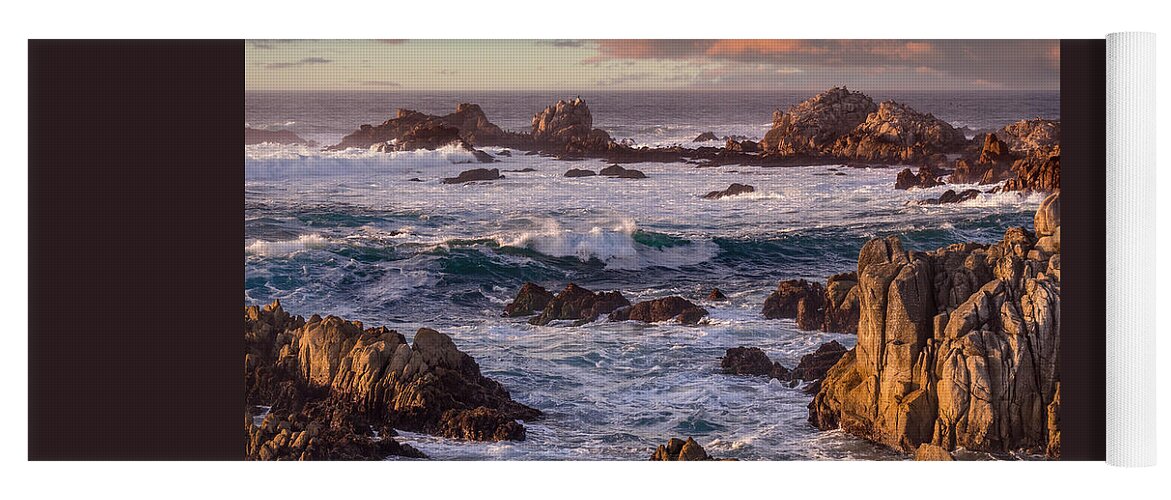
(349, 233)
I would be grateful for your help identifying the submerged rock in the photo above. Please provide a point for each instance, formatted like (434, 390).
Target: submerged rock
(531, 299)
(957, 347)
(475, 174)
(733, 190)
(578, 172)
(678, 450)
(336, 373)
(672, 308)
(752, 361)
(577, 303)
(622, 173)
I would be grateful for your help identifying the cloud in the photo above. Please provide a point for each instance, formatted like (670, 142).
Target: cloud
(305, 61)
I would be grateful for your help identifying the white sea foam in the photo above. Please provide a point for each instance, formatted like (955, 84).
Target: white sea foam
(286, 247)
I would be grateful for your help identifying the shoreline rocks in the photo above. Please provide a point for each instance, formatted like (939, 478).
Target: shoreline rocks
(957, 347)
(678, 450)
(751, 361)
(531, 299)
(926, 178)
(620, 172)
(674, 308)
(348, 382)
(475, 174)
(581, 305)
(578, 172)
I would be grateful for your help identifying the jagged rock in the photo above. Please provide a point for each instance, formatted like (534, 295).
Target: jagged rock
(1047, 220)
(531, 299)
(815, 124)
(895, 132)
(1032, 134)
(1039, 170)
(994, 151)
(744, 146)
(569, 125)
(797, 299)
(329, 369)
(259, 136)
(469, 119)
(717, 296)
(622, 173)
(950, 196)
(841, 307)
(751, 361)
(957, 347)
(706, 136)
(932, 453)
(814, 366)
(579, 172)
(577, 303)
(679, 450)
(992, 166)
(672, 308)
(320, 432)
(926, 178)
(475, 174)
(733, 190)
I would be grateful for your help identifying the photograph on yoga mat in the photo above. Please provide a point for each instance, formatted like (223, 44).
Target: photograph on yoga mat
(652, 249)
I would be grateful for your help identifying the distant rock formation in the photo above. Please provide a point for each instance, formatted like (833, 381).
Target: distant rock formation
(678, 450)
(926, 178)
(897, 133)
(1032, 134)
(993, 165)
(674, 308)
(581, 305)
(468, 119)
(531, 299)
(579, 172)
(734, 190)
(260, 136)
(569, 125)
(815, 124)
(743, 146)
(620, 172)
(475, 174)
(957, 347)
(706, 136)
(331, 384)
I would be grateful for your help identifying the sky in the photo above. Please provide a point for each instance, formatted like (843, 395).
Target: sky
(650, 65)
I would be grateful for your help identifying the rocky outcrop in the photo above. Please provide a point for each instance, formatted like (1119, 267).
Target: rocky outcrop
(1026, 135)
(815, 124)
(897, 133)
(475, 174)
(581, 305)
(841, 304)
(706, 136)
(620, 172)
(468, 119)
(951, 196)
(1039, 170)
(992, 166)
(531, 299)
(785, 301)
(733, 190)
(830, 308)
(957, 347)
(579, 172)
(674, 308)
(926, 178)
(751, 361)
(336, 383)
(716, 296)
(260, 136)
(569, 125)
(678, 450)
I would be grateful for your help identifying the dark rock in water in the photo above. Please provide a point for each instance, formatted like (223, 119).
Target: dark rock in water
(785, 302)
(481, 424)
(673, 308)
(523, 170)
(531, 299)
(733, 190)
(622, 173)
(678, 450)
(296, 367)
(706, 136)
(532, 153)
(751, 361)
(414, 179)
(259, 136)
(504, 153)
(577, 303)
(924, 179)
(580, 172)
(717, 295)
(482, 157)
(814, 366)
(950, 196)
(744, 146)
(475, 174)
